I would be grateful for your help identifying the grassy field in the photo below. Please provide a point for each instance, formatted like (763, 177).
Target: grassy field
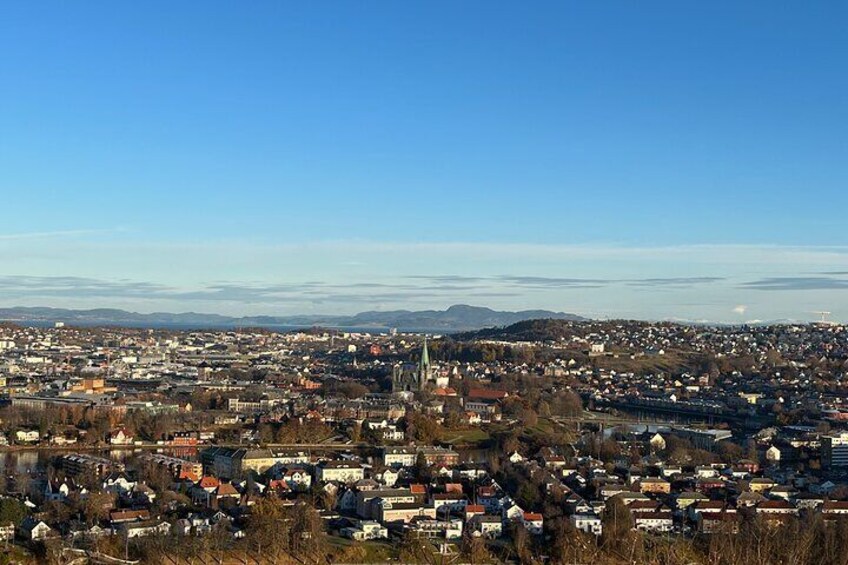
(470, 436)
(372, 551)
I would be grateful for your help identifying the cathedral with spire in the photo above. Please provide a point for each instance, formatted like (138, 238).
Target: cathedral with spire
(413, 377)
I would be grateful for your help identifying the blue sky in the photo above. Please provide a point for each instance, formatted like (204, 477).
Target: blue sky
(653, 160)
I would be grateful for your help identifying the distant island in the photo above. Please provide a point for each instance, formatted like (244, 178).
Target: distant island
(457, 318)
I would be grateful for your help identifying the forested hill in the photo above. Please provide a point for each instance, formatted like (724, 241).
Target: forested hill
(546, 329)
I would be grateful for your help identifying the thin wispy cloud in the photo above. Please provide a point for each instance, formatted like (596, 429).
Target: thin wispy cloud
(358, 252)
(447, 278)
(797, 283)
(437, 288)
(21, 286)
(674, 281)
(540, 282)
(552, 282)
(54, 234)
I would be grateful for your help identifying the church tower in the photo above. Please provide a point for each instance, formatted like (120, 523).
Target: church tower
(424, 369)
(409, 377)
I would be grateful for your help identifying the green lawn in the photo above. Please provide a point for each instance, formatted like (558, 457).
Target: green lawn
(376, 551)
(465, 436)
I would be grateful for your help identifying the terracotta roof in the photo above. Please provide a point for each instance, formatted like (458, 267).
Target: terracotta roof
(643, 505)
(278, 484)
(226, 489)
(209, 482)
(487, 394)
(186, 474)
(768, 504)
(128, 515)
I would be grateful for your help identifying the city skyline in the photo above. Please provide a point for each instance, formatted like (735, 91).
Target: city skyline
(662, 162)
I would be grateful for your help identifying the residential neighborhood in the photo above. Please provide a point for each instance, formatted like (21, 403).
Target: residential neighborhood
(395, 445)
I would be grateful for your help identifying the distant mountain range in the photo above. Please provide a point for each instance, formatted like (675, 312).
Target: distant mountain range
(457, 318)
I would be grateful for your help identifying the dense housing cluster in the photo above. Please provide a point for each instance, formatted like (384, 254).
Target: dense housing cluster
(545, 441)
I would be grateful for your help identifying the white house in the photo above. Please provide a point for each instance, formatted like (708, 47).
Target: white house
(487, 525)
(533, 522)
(512, 511)
(146, 529)
(447, 529)
(33, 529)
(399, 456)
(28, 436)
(340, 471)
(364, 500)
(660, 521)
(364, 530)
(388, 430)
(58, 491)
(589, 523)
(388, 477)
(705, 472)
(470, 472)
(515, 457)
(120, 437)
(671, 470)
(297, 478)
(449, 501)
(118, 483)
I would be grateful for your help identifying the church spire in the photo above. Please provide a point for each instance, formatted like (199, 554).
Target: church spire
(424, 366)
(425, 355)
